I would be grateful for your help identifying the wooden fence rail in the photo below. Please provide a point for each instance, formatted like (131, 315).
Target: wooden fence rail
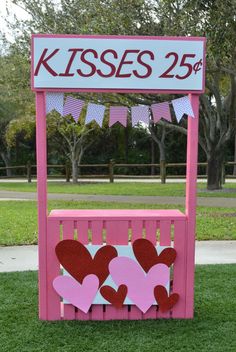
(111, 167)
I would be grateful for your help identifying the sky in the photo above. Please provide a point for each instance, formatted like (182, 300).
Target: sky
(14, 10)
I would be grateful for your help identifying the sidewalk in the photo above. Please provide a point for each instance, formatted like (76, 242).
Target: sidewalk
(20, 258)
(201, 201)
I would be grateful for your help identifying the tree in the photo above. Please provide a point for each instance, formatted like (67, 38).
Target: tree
(216, 20)
(70, 137)
(213, 18)
(15, 97)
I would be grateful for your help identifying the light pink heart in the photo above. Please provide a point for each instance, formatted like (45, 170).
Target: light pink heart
(81, 296)
(126, 271)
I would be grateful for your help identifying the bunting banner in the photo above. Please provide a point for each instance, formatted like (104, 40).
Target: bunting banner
(95, 112)
(161, 110)
(73, 107)
(140, 113)
(118, 114)
(182, 106)
(54, 101)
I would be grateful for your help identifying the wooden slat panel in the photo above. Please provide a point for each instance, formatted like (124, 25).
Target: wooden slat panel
(137, 232)
(53, 270)
(151, 228)
(82, 229)
(68, 234)
(97, 227)
(180, 268)
(137, 229)
(165, 233)
(116, 233)
(165, 240)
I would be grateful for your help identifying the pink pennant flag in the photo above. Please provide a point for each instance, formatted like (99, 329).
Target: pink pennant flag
(182, 106)
(118, 114)
(73, 107)
(54, 101)
(139, 113)
(95, 112)
(161, 110)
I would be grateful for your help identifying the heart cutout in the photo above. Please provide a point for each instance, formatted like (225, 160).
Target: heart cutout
(116, 298)
(81, 296)
(147, 256)
(126, 271)
(164, 302)
(78, 262)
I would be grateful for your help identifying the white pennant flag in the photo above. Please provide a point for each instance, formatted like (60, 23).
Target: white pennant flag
(54, 101)
(182, 106)
(95, 112)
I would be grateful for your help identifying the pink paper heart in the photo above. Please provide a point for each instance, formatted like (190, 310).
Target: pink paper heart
(80, 295)
(126, 271)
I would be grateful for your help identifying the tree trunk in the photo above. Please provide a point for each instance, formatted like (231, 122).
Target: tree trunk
(234, 171)
(6, 159)
(152, 157)
(75, 171)
(214, 170)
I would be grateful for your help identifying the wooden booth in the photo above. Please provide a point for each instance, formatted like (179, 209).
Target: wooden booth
(117, 264)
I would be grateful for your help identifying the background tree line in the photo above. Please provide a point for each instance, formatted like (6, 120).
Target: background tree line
(163, 141)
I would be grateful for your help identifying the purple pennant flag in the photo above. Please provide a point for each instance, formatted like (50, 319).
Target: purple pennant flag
(182, 106)
(95, 112)
(161, 110)
(139, 113)
(118, 114)
(74, 107)
(54, 101)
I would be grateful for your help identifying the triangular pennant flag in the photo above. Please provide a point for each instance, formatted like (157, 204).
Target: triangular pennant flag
(118, 114)
(182, 106)
(95, 112)
(54, 101)
(139, 113)
(73, 106)
(161, 110)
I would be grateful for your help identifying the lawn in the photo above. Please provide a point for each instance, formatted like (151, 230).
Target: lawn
(19, 219)
(126, 188)
(212, 330)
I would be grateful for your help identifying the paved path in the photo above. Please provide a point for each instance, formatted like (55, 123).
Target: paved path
(20, 258)
(202, 201)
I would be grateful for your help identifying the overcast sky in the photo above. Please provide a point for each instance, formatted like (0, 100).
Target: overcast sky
(14, 10)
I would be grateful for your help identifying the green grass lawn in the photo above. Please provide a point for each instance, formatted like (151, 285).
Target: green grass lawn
(127, 188)
(212, 329)
(19, 219)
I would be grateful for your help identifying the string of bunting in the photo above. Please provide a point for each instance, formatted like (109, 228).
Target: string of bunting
(118, 114)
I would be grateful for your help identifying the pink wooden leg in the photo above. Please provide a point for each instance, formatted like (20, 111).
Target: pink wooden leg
(53, 269)
(41, 146)
(179, 282)
(191, 190)
(68, 234)
(117, 233)
(165, 240)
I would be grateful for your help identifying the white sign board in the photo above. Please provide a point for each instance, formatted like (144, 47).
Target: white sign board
(108, 63)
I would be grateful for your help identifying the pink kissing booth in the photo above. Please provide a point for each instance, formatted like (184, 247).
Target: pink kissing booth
(116, 264)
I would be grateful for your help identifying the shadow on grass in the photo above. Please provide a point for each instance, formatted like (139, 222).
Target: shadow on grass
(213, 328)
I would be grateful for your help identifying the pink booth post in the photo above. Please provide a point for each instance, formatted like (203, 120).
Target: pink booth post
(117, 64)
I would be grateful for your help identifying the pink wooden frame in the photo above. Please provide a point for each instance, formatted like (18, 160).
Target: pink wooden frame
(49, 227)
